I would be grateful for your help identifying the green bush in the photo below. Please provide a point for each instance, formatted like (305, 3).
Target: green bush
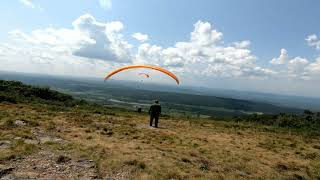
(307, 121)
(17, 92)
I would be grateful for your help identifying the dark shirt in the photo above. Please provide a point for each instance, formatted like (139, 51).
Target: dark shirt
(155, 110)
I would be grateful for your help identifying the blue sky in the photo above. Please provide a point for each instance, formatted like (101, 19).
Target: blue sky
(269, 26)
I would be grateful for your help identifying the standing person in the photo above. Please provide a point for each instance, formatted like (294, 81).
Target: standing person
(155, 111)
(139, 110)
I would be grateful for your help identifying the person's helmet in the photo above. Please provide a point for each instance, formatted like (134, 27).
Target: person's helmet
(156, 101)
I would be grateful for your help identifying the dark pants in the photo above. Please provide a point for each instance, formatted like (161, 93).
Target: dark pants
(156, 118)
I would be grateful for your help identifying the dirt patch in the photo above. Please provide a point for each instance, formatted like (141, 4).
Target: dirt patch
(145, 126)
(120, 174)
(4, 144)
(43, 137)
(48, 165)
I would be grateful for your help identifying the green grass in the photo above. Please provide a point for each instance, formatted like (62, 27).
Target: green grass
(120, 142)
(17, 150)
(183, 149)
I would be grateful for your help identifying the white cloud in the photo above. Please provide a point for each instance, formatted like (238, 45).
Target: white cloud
(140, 37)
(224, 70)
(31, 4)
(230, 71)
(297, 68)
(88, 38)
(91, 39)
(105, 44)
(62, 40)
(205, 50)
(91, 48)
(114, 26)
(281, 59)
(242, 44)
(28, 3)
(204, 34)
(314, 68)
(105, 4)
(297, 63)
(46, 61)
(313, 41)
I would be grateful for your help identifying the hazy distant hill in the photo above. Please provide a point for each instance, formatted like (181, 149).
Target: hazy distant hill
(181, 100)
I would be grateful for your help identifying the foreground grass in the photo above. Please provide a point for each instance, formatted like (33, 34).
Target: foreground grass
(122, 145)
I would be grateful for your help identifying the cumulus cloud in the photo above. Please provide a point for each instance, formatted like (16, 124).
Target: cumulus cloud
(293, 68)
(140, 37)
(95, 40)
(297, 68)
(230, 71)
(204, 34)
(88, 38)
(45, 61)
(314, 68)
(297, 63)
(313, 41)
(105, 4)
(105, 43)
(281, 59)
(205, 50)
(222, 70)
(97, 45)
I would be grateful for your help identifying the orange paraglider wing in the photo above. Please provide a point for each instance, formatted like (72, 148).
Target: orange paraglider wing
(145, 74)
(143, 66)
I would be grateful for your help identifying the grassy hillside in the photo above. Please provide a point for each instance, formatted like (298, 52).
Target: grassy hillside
(17, 92)
(59, 137)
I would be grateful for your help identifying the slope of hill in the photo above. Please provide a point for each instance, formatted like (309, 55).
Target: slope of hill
(15, 92)
(61, 138)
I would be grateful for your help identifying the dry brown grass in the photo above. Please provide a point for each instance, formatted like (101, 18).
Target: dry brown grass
(123, 146)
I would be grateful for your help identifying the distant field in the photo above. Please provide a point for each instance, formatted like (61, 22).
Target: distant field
(129, 96)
